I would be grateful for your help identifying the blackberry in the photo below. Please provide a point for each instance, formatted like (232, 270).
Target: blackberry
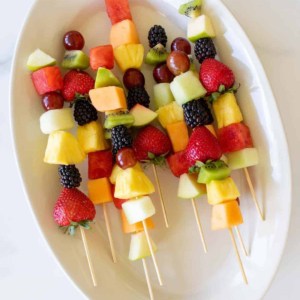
(157, 35)
(197, 113)
(205, 48)
(137, 95)
(120, 138)
(84, 112)
(69, 176)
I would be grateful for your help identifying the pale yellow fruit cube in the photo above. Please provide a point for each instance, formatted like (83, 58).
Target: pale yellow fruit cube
(169, 114)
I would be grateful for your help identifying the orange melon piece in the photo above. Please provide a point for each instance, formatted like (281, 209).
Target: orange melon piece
(124, 33)
(179, 135)
(99, 190)
(226, 215)
(136, 227)
(108, 98)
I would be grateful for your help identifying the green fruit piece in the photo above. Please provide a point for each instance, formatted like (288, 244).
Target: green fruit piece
(199, 28)
(106, 78)
(107, 134)
(187, 87)
(242, 159)
(192, 63)
(162, 94)
(189, 188)
(214, 170)
(75, 59)
(39, 59)
(113, 120)
(191, 9)
(156, 55)
(139, 247)
(142, 115)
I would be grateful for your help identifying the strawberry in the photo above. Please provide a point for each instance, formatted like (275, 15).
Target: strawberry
(215, 76)
(178, 163)
(77, 82)
(202, 146)
(151, 143)
(72, 209)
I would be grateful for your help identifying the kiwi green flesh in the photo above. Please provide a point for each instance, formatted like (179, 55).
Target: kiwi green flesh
(191, 9)
(115, 120)
(106, 78)
(75, 59)
(208, 174)
(156, 55)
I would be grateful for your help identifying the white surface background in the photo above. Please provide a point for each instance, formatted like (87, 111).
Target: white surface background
(27, 269)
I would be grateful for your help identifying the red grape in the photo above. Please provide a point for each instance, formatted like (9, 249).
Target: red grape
(125, 158)
(161, 74)
(178, 62)
(133, 78)
(73, 40)
(181, 44)
(52, 100)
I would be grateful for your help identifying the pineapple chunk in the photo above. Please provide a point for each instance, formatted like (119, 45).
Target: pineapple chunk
(227, 110)
(219, 191)
(129, 56)
(91, 137)
(170, 113)
(132, 183)
(116, 170)
(63, 149)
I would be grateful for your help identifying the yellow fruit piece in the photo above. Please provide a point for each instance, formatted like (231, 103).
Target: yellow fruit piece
(136, 227)
(226, 215)
(91, 137)
(132, 183)
(211, 129)
(219, 191)
(100, 190)
(63, 149)
(170, 113)
(179, 135)
(129, 56)
(116, 170)
(227, 110)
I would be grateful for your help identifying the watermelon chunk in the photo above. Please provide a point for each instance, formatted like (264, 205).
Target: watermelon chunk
(48, 79)
(235, 137)
(118, 11)
(102, 56)
(178, 163)
(100, 164)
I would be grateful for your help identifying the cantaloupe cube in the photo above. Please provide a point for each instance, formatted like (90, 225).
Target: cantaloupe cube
(123, 33)
(99, 190)
(108, 98)
(226, 215)
(179, 135)
(137, 227)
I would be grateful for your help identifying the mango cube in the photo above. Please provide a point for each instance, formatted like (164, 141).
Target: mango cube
(169, 114)
(136, 227)
(100, 191)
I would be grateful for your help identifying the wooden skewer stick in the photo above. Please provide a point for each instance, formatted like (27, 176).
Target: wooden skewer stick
(152, 252)
(111, 243)
(160, 196)
(238, 256)
(199, 225)
(148, 279)
(87, 253)
(253, 194)
(241, 241)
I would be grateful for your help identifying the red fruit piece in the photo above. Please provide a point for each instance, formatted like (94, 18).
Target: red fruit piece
(235, 137)
(202, 146)
(151, 139)
(102, 56)
(73, 40)
(118, 11)
(117, 202)
(125, 158)
(76, 82)
(48, 79)
(100, 164)
(213, 74)
(52, 100)
(73, 208)
(178, 163)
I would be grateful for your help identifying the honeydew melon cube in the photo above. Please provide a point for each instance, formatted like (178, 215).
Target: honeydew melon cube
(162, 94)
(56, 119)
(199, 28)
(137, 210)
(189, 188)
(139, 247)
(187, 87)
(142, 115)
(39, 59)
(241, 159)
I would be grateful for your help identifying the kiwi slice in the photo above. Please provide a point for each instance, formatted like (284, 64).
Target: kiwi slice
(191, 9)
(106, 78)
(156, 55)
(75, 59)
(113, 120)
(107, 134)
(213, 170)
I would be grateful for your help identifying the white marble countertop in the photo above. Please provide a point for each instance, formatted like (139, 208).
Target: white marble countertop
(27, 268)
